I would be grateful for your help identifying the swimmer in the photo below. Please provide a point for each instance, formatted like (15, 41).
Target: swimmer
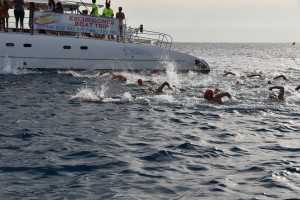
(297, 88)
(154, 71)
(70, 73)
(145, 84)
(226, 73)
(197, 72)
(239, 83)
(217, 90)
(159, 90)
(141, 82)
(209, 96)
(254, 75)
(180, 89)
(280, 96)
(114, 76)
(281, 76)
(120, 78)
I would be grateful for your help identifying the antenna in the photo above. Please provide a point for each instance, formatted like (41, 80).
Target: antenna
(85, 6)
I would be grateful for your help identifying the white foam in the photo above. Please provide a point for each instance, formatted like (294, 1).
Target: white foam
(7, 68)
(164, 99)
(86, 94)
(71, 73)
(127, 96)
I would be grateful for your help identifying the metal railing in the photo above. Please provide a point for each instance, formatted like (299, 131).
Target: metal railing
(143, 36)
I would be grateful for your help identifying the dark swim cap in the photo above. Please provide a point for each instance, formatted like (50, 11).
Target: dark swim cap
(140, 81)
(208, 94)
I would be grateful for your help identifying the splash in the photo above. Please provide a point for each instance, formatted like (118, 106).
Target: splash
(127, 96)
(86, 94)
(171, 72)
(8, 68)
(164, 99)
(102, 92)
(71, 73)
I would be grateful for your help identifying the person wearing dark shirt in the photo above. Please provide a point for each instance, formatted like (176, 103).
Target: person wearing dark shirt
(59, 8)
(31, 9)
(51, 6)
(19, 13)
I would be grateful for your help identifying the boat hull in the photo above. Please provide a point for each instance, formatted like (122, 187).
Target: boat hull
(51, 52)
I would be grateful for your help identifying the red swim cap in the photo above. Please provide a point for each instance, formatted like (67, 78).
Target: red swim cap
(208, 94)
(140, 81)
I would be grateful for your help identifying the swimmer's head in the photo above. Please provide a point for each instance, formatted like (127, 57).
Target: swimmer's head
(208, 94)
(140, 81)
(124, 79)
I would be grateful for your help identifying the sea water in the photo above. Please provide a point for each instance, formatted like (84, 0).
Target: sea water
(79, 135)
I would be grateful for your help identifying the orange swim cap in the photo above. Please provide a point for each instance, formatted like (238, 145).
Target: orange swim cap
(208, 94)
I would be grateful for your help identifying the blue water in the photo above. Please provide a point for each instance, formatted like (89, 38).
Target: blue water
(77, 135)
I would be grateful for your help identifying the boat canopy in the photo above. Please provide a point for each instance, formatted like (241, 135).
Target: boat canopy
(69, 6)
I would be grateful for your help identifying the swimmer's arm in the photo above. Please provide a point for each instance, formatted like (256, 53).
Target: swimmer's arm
(224, 94)
(272, 97)
(159, 90)
(281, 76)
(229, 73)
(281, 92)
(151, 90)
(297, 88)
(250, 76)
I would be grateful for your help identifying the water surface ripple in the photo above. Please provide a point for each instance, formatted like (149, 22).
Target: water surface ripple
(78, 135)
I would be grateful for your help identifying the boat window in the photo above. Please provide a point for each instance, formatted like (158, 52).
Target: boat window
(84, 47)
(67, 47)
(10, 44)
(27, 45)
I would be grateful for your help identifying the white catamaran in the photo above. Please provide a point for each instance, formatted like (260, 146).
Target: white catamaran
(71, 41)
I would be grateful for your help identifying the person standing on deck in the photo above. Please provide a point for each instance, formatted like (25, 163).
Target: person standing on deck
(95, 9)
(5, 15)
(19, 13)
(2, 22)
(51, 6)
(95, 12)
(31, 9)
(121, 16)
(59, 8)
(108, 12)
